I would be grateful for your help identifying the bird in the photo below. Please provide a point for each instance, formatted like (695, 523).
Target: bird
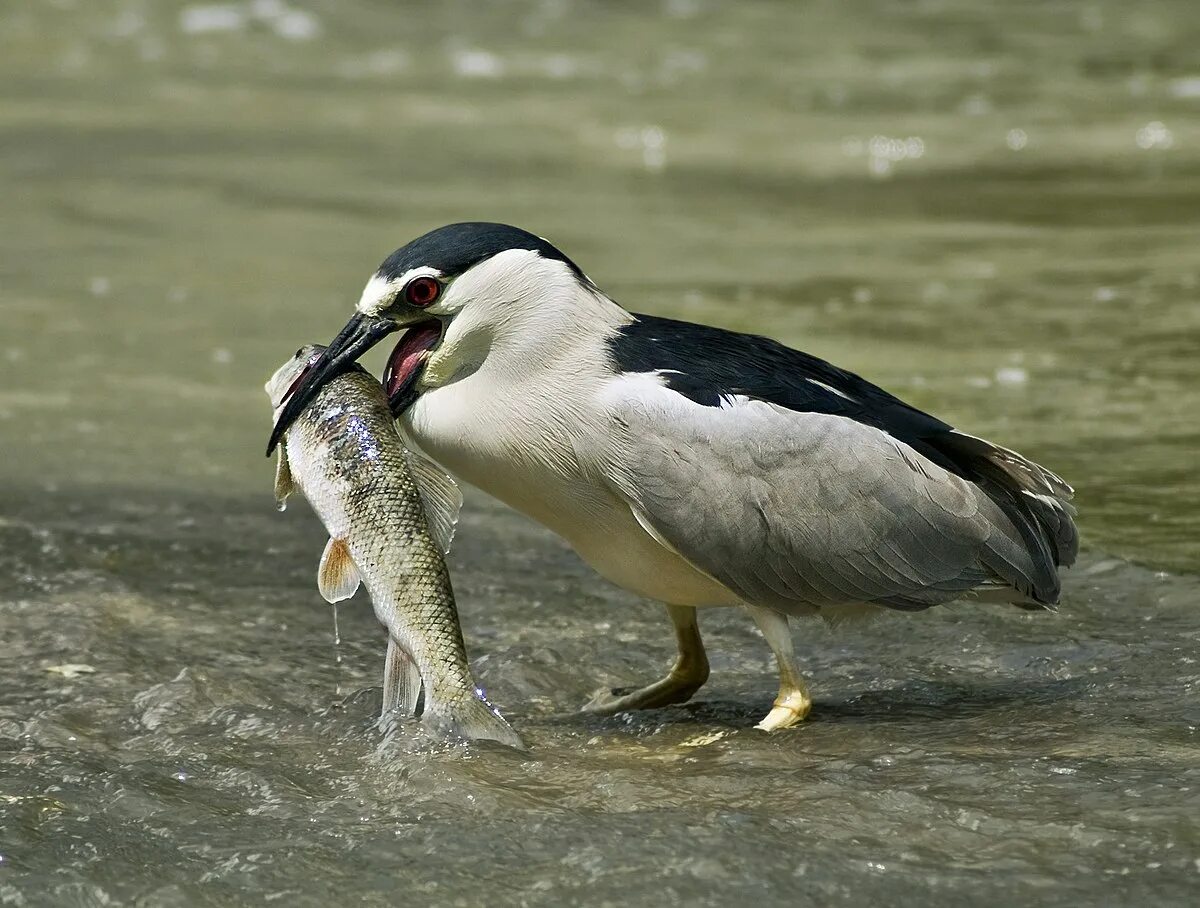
(692, 465)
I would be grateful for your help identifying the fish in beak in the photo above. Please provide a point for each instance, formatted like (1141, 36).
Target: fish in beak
(360, 335)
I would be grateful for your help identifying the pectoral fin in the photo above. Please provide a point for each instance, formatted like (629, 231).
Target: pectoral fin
(337, 576)
(284, 484)
(441, 497)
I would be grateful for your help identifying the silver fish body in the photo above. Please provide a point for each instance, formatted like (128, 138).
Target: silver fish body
(390, 516)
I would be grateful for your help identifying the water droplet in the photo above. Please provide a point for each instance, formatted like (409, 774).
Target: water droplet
(472, 63)
(281, 505)
(1154, 135)
(976, 106)
(1011, 375)
(206, 19)
(1186, 88)
(337, 654)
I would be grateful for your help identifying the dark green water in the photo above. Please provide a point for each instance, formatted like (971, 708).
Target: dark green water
(989, 209)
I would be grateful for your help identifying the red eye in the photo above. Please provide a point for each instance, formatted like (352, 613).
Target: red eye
(422, 291)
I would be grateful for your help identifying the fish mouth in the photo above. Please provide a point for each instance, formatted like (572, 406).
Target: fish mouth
(407, 363)
(360, 334)
(282, 384)
(306, 358)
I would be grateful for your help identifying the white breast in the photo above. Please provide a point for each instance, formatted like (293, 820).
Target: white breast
(536, 442)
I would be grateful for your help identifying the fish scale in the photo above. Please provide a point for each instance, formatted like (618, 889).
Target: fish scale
(344, 453)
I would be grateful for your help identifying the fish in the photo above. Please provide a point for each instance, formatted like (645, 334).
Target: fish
(391, 515)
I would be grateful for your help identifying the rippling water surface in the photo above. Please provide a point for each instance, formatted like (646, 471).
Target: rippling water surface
(988, 209)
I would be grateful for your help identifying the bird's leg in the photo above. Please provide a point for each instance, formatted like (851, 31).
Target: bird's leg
(687, 675)
(793, 702)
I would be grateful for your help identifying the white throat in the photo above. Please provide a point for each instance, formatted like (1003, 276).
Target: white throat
(508, 400)
(520, 315)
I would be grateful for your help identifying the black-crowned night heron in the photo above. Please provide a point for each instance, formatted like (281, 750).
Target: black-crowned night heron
(692, 465)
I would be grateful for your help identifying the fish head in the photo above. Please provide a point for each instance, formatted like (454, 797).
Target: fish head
(278, 387)
(287, 375)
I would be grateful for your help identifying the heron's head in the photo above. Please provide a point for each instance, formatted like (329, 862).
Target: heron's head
(454, 293)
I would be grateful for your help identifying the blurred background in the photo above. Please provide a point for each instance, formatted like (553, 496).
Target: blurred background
(989, 209)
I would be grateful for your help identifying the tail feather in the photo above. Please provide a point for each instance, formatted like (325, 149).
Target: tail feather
(1025, 475)
(1035, 500)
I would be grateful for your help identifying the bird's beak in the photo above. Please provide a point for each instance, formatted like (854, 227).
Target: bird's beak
(360, 335)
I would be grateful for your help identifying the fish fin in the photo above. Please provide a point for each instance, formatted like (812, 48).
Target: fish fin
(284, 484)
(401, 681)
(337, 576)
(441, 497)
(472, 718)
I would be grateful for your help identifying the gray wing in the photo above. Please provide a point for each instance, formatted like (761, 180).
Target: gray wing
(796, 510)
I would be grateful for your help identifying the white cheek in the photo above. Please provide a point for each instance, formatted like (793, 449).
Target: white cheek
(377, 295)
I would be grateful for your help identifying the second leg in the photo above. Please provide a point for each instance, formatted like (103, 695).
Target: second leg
(687, 675)
(793, 702)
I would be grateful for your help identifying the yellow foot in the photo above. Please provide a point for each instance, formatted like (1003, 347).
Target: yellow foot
(672, 689)
(789, 709)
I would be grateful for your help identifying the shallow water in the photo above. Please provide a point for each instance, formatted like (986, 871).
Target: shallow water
(989, 211)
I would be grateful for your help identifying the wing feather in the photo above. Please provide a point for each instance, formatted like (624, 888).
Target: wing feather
(799, 511)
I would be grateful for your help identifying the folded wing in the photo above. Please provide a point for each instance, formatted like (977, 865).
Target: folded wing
(800, 510)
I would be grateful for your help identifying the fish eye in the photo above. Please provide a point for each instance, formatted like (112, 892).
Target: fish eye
(422, 291)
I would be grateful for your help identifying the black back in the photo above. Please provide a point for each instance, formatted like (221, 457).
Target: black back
(704, 363)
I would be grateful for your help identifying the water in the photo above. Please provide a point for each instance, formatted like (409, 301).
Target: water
(988, 210)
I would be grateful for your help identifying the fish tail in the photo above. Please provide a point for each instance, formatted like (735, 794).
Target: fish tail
(474, 718)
